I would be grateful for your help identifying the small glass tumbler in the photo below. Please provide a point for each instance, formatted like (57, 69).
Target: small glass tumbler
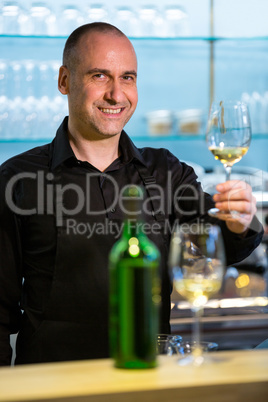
(10, 16)
(176, 21)
(96, 12)
(42, 20)
(126, 20)
(71, 18)
(167, 344)
(189, 347)
(148, 16)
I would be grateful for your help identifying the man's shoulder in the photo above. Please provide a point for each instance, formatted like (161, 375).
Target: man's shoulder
(156, 153)
(30, 160)
(163, 160)
(160, 158)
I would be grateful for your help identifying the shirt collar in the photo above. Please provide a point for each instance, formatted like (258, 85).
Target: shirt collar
(61, 150)
(129, 150)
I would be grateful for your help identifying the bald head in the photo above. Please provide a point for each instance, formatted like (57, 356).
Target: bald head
(70, 54)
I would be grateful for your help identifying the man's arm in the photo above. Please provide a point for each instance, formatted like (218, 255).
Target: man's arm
(242, 236)
(10, 275)
(240, 246)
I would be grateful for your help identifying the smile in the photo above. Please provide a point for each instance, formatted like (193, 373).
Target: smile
(111, 111)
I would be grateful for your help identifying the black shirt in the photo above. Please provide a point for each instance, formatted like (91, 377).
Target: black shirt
(59, 219)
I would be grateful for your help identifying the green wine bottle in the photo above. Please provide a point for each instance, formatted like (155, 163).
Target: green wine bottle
(134, 290)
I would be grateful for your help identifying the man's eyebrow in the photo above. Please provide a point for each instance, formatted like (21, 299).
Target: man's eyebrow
(105, 71)
(132, 72)
(98, 70)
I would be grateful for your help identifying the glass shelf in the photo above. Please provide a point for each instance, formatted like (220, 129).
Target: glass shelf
(190, 137)
(150, 38)
(178, 137)
(179, 65)
(141, 138)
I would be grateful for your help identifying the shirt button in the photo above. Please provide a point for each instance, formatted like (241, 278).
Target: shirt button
(112, 210)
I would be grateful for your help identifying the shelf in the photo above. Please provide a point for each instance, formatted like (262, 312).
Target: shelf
(151, 138)
(151, 38)
(179, 65)
(190, 137)
(141, 138)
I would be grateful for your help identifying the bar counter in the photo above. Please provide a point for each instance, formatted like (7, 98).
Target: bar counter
(233, 376)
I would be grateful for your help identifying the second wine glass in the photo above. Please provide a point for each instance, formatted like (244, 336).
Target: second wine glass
(197, 262)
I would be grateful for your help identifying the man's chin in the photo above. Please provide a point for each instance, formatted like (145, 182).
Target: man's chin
(110, 134)
(104, 135)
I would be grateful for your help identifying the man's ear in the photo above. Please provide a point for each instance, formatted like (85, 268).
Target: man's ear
(63, 80)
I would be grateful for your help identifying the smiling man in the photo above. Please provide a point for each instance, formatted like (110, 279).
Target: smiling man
(61, 209)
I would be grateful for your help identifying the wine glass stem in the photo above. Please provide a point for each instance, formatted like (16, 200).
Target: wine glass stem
(228, 169)
(197, 311)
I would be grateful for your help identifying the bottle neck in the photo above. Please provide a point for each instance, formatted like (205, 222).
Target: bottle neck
(133, 226)
(134, 218)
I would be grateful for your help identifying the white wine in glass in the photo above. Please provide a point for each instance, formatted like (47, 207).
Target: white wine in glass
(228, 156)
(197, 263)
(228, 136)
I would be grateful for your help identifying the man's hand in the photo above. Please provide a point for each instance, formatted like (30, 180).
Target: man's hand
(235, 196)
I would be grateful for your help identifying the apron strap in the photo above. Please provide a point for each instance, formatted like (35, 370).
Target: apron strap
(149, 184)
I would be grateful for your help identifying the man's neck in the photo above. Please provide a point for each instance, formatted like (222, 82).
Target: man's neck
(99, 153)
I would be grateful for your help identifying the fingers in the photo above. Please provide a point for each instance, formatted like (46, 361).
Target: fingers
(233, 189)
(236, 196)
(234, 193)
(243, 206)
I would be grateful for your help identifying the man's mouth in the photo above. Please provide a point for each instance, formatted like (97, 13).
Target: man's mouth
(110, 111)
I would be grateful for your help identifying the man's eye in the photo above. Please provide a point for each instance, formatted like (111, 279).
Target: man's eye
(128, 77)
(99, 75)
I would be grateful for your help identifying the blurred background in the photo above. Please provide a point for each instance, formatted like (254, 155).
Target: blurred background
(184, 61)
(189, 53)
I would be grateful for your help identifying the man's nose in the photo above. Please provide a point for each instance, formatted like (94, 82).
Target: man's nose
(115, 92)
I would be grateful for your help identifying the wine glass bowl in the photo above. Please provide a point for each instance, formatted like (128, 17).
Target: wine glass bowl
(228, 136)
(197, 262)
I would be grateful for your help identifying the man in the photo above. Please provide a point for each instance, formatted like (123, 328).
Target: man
(60, 208)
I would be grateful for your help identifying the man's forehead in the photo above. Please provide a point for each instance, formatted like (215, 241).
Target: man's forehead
(101, 36)
(110, 44)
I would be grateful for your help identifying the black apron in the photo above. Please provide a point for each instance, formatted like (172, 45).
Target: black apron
(74, 324)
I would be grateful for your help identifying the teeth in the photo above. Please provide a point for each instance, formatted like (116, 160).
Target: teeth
(111, 111)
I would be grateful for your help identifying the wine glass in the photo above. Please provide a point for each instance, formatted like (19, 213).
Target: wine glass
(228, 138)
(197, 264)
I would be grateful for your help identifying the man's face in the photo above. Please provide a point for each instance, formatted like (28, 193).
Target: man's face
(102, 90)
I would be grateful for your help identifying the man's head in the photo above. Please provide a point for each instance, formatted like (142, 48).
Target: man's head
(99, 76)
(70, 57)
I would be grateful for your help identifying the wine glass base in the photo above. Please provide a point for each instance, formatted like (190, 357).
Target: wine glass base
(226, 215)
(197, 361)
(195, 354)
(191, 361)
